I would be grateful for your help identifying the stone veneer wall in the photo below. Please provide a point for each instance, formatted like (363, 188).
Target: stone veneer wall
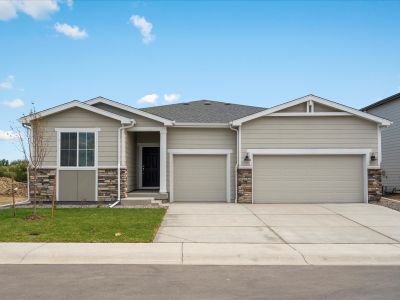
(244, 185)
(44, 185)
(374, 184)
(108, 184)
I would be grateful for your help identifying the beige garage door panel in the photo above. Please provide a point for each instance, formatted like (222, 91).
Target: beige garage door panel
(200, 178)
(308, 179)
(77, 185)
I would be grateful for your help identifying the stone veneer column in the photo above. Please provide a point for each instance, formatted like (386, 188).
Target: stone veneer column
(374, 184)
(107, 189)
(45, 184)
(244, 185)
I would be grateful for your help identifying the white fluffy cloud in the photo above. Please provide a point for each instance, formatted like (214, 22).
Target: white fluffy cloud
(7, 10)
(148, 99)
(16, 103)
(8, 83)
(37, 9)
(144, 27)
(70, 3)
(8, 135)
(171, 97)
(71, 31)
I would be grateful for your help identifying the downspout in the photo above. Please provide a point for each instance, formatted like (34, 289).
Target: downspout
(119, 162)
(237, 160)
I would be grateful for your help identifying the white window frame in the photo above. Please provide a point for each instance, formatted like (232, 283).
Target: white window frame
(78, 130)
(173, 152)
(366, 153)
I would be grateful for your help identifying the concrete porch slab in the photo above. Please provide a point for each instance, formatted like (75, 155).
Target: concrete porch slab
(349, 254)
(288, 209)
(211, 220)
(251, 235)
(241, 254)
(327, 235)
(306, 220)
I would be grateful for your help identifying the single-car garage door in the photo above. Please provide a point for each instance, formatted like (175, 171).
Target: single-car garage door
(308, 178)
(200, 178)
(77, 185)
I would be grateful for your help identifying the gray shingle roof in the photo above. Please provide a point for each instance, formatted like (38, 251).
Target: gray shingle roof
(203, 111)
(383, 101)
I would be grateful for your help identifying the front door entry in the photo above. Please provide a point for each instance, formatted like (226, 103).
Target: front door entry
(150, 166)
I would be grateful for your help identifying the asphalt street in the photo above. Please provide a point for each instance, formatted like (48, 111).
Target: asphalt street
(198, 282)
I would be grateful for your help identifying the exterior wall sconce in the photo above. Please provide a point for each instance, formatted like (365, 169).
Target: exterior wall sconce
(247, 158)
(373, 157)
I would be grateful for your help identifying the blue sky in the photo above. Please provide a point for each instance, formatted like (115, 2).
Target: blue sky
(142, 53)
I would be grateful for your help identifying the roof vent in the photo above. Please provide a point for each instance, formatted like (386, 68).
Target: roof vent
(207, 103)
(186, 103)
(227, 103)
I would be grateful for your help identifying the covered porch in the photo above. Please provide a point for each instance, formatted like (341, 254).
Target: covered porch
(146, 162)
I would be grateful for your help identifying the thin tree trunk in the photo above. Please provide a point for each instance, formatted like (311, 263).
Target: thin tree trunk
(34, 191)
(13, 196)
(53, 200)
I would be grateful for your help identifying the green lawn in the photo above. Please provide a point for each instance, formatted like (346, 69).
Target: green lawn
(91, 225)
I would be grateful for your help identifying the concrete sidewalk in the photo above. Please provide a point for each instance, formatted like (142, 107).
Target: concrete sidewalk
(200, 254)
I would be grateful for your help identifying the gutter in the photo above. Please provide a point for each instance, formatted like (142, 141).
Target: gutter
(237, 159)
(119, 161)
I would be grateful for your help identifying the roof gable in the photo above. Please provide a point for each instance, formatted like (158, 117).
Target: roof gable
(341, 110)
(73, 104)
(130, 109)
(381, 102)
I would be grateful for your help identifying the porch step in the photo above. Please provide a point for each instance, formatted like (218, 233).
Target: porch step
(142, 201)
(142, 194)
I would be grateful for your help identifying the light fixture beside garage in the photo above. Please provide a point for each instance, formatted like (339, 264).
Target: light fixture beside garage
(247, 158)
(373, 157)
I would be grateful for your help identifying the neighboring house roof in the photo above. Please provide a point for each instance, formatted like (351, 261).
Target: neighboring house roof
(131, 109)
(70, 105)
(343, 108)
(203, 111)
(381, 102)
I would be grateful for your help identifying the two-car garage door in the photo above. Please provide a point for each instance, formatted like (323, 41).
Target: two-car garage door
(308, 178)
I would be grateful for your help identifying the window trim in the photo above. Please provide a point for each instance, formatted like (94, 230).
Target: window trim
(77, 131)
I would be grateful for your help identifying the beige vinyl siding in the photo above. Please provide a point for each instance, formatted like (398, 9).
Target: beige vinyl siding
(140, 120)
(390, 143)
(200, 178)
(309, 133)
(323, 108)
(302, 107)
(204, 138)
(308, 179)
(130, 151)
(80, 118)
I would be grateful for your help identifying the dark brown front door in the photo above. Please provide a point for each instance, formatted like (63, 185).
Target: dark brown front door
(151, 167)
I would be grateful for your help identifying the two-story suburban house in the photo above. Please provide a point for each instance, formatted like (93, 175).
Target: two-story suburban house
(308, 150)
(389, 108)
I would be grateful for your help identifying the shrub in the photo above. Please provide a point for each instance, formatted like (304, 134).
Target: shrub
(16, 168)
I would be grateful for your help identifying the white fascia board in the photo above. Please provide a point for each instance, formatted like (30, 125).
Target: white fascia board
(317, 99)
(200, 151)
(309, 151)
(73, 104)
(130, 109)
(201, 125)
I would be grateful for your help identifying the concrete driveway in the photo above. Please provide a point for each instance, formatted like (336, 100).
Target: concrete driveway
(280, 224)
